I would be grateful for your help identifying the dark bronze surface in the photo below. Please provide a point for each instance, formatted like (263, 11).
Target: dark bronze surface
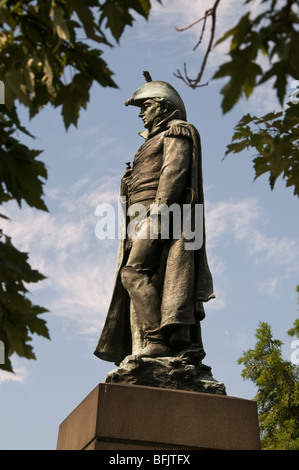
(157, 302)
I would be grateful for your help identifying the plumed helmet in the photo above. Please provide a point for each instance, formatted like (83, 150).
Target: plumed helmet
(157, 89)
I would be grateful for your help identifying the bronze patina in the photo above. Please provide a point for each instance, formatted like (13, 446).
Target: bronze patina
(157, 302)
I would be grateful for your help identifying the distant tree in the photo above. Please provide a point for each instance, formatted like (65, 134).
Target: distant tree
(277, 381)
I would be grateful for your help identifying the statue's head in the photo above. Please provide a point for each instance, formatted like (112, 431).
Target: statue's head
(156, 97)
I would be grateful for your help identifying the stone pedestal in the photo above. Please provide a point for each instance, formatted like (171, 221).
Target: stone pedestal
(133, 417)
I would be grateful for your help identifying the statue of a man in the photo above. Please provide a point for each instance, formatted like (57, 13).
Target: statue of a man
(157, 303)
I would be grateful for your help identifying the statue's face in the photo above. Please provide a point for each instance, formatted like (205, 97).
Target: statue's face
(150, 110)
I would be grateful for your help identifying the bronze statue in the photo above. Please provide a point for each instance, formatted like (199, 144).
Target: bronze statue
(157, 302)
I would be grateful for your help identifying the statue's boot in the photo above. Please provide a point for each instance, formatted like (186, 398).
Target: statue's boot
(153, 349)
(179, 337)
(146, 302)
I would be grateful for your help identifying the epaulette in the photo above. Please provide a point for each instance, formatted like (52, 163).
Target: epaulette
(178, 130)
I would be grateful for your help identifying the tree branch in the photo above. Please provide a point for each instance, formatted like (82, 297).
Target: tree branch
(195, 82)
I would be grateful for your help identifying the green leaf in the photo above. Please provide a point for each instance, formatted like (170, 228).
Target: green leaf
(243, 72)
(295, 330)
(18, 340)
(261, 166)
(48, 77)
(22, 176)
(279, 70)
(90, 64)
(238, 32)
(275, 136)
(116, 17)
(116, 14)
(237, 147)
(86, 17)
(14, 84)
(274, 32)
(18, 316)
(60, 27)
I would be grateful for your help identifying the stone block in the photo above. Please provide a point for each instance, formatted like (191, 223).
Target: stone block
(134, 417)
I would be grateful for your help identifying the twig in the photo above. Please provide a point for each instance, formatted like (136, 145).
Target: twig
(201, 35)
(195, 83)
(208, 12)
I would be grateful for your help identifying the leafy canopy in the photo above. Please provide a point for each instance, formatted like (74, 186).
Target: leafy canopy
(273, 34)
(263, 48)
(275, 136)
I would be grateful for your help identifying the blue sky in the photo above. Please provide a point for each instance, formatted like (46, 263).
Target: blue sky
(252, 232)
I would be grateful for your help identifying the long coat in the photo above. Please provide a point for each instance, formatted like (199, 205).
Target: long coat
(187, 281)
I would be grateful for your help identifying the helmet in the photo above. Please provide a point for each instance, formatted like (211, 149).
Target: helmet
(157, 89)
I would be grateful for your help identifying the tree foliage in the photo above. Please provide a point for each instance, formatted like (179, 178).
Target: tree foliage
(18, 316)
(273, 34)
(278, 390)
(51, 52)
(275, 136)
(264, 47)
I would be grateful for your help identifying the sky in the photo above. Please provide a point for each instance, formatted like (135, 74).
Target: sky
(252, 232)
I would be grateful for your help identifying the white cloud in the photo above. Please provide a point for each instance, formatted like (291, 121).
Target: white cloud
(80, 269)
(168, 15)
(220, 302)
(282, 251)
(230, 216)
(165, 17)
(181, 14)
(171, 15)
(269, 286)
(243, 223)
(240, 341)
(20, 373)
(242, 220)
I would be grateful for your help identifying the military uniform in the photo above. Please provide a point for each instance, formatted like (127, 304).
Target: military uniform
(160, 286)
